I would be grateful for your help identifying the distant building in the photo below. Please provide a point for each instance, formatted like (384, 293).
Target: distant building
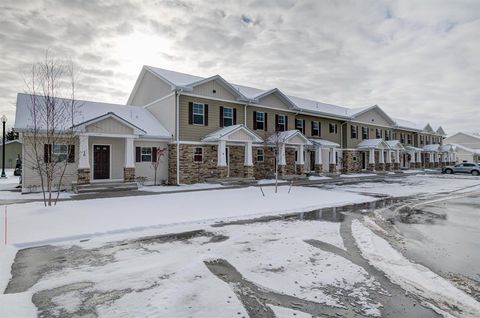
(468, 146)
(13, 149)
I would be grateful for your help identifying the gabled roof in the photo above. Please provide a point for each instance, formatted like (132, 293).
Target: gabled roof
(355, 112)
(225, 132)
(324, 143)
(395, 145)
(88, 110)
(441, 132)
(448, 148)
(467, 149)
(284, 98)
(428, 128)
(406, 124)
(372, 144)
(229, 87)
(431, 148)
(136, 130)
(286, 137)
(412, 148)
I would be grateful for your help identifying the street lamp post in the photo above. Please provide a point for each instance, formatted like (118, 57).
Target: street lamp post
(4, 121)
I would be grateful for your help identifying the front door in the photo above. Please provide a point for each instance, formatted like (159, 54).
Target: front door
(101, 162)
(312, 160)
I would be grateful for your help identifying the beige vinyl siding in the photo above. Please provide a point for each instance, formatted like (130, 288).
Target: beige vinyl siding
(324, 127)
(206, 89)
(372, 134)
(31, 178)
(109, 126)
(373, 117)
(150, 89)
(117, 155)
(145, 169)
(164, 112)
(273, 101)
(196, 132)
(406, 133)
(12, 150)
(270, 119)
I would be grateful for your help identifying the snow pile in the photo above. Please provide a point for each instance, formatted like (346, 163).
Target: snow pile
(412, 277)
(7, 255)
(282, 312)
(17, 305)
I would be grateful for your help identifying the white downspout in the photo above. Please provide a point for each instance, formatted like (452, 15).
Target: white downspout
(177, 132)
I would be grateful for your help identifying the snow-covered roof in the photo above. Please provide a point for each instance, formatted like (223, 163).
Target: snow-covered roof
(324, 143)
(431, 148)
(447, 148)
(402, 123)
(412, 148)
(88, 110)
(8, 142)
(372, 144)
(225, 132)
(286, 137)
(441, 132)
(394, 144)
(472, 151)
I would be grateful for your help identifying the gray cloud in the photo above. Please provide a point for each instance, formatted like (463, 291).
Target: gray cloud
(416, 59)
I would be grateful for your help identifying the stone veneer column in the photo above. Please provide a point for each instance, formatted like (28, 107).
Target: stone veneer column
(318, 160)
(83, 170)
(381, 160)
(371, 160)
(388, 162)
(332, 167)
(300, 164)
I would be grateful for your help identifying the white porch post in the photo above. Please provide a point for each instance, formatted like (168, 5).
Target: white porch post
(412, 156)
(381, 158)
(222, 158)
(371, 157)
(389, 156)
(333, 156)
(281, 155)
(397, 156)
(301, 157)
(318, 155)
(83, 154)
(248, 154)
(129, 151)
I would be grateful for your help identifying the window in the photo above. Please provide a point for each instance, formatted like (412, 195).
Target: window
(146, 154)
(60, 152)
(333, 128)
(259, 120)
(388, 135)
(260, 155)
(364, 132)
(227, 116)
(299, 125)
(315, 128)
(198, 154)
(421, 140)
(394, 136)
(353, 132)
(402, 138)
(281, 122)
(409, 139)
(198, 114)
(378, 133)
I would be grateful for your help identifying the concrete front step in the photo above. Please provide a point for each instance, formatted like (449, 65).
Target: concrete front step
(231, 181)
(104, 187)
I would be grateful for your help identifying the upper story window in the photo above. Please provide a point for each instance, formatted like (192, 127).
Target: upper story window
(378, 133)
(388, 135)
(333, 128)
(198, 114)
(402, 138)
(353, 132)
(260, 120)
(316, 128)
(281, 124)
(300, 125)
(409, 139)
(227, 118)
(394, 135)
(421, 139)
(364, 132)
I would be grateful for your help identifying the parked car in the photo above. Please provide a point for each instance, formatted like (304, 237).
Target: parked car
(464, 167)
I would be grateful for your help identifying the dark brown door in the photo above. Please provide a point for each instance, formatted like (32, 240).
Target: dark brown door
(101, 162)
(312, 160)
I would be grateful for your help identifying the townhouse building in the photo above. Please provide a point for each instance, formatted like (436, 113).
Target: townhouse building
(216, 129)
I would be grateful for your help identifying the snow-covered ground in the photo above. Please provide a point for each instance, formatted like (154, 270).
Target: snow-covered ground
(183, 187)
(10, 182)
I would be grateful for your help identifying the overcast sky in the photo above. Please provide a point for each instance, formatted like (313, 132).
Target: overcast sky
(418, 60)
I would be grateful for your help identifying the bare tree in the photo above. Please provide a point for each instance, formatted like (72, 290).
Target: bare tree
(277, 140)
(157, 154)
(50, 136)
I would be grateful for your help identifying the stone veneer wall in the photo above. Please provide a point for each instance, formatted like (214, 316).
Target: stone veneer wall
(290, 167)
(349, 165)
(237, 161)
(265, 169)
(83, 176)
(128, 174)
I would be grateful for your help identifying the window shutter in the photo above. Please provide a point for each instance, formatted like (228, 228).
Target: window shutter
(206, 115)
(265, 121)
(311, 127)
(276, 122)
(234, 116)
(154, 154)
(254, 120)
(303, 127)
(71, 154)
(47, 152)
(286, 122)
(190, 113)
(138, 154)
(221, 116)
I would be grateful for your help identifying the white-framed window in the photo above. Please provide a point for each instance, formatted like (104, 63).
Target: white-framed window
(353, 132)
(388, 134)
(260, 155)
(333, 128)
(409, 139)
(364, 132)
(146, 154)
(260, 120)
(198, 114)
(60, 152)
(299, 125)
(281, 122)
(402, 138)
(227, 116)
(378, 133)
(198, 154)
(316, 128)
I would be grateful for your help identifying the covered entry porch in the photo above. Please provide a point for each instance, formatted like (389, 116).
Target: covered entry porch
(321, 156)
